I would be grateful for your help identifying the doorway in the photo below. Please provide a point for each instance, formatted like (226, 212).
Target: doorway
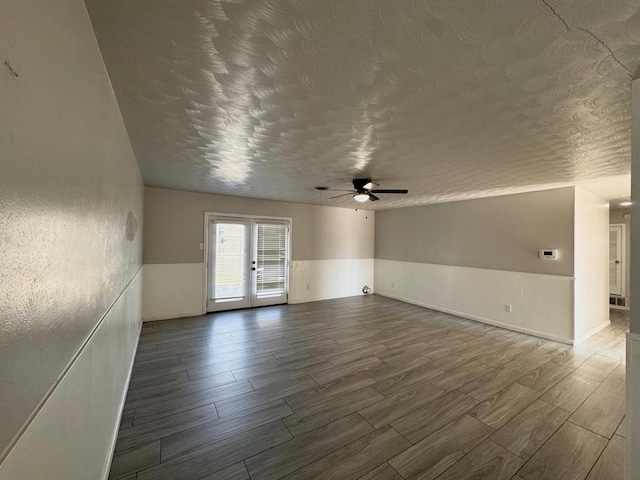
(617, 259)
(247, 261)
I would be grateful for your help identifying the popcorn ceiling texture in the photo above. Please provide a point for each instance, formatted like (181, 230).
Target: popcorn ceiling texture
(450, 99)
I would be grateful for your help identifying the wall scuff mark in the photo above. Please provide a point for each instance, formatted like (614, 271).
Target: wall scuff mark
(11, 70)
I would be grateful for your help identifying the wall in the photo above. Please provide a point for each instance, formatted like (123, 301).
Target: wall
(332, 248)
(72, 436)
(616, 215)
(591, 264)
(70, 230)
(540, 304)
(477, 257)
(497, 233)
(632, 459)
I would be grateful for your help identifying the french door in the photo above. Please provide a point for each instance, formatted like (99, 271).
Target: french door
(247, 262)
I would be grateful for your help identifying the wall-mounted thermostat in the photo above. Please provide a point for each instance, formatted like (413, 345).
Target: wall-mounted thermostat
(548, 254)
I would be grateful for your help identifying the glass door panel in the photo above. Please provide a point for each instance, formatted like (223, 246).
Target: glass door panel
(269, 258)
(228, 268)
(247, 262)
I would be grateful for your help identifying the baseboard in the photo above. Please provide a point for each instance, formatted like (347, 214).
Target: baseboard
(156, 318)
(488, 321)
(616, 307)
(592, 332)
(293, 301)
(114, 439)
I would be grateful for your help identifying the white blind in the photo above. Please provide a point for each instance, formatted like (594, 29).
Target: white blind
(227, 260)
(271, 259)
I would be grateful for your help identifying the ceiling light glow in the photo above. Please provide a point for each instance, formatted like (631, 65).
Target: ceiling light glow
(626, 204)
(361, 197)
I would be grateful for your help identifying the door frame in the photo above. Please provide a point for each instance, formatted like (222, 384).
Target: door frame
(623, 257)
(205, 273)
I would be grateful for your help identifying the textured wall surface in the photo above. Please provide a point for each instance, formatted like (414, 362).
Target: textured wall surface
(499, 233)
(174, 222)
(70, 199)
(72, 435)
(450, 99)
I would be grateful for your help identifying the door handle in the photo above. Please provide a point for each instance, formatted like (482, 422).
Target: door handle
(617, 261)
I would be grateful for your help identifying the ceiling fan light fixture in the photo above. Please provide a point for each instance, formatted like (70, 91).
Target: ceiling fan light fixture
(361, 197)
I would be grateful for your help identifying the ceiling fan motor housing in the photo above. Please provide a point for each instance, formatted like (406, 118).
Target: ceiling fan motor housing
(360, 183)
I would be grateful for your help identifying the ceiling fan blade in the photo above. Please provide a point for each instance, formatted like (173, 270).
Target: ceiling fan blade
(389, 191)
(343, 195)
(359, 183)
(373, 198)
(327, 189)
(371, 186)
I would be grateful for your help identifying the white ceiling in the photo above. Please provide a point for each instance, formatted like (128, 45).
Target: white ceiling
(451, 99)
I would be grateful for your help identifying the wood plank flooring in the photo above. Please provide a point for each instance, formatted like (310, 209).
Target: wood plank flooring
(369, 388)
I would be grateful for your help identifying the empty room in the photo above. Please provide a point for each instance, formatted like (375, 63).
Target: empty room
(319, 239)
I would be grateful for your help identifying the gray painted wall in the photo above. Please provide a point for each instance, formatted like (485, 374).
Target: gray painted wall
(634, 291)
(70, 199)
(174, 222)
(499, 233)
(616, 216)
(632, 420)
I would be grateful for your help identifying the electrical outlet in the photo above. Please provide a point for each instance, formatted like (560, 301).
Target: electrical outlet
(308, 287)
(507, 308)
(202, 246)
(393, 285)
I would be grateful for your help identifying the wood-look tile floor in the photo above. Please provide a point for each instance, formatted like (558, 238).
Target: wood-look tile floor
(370, 388)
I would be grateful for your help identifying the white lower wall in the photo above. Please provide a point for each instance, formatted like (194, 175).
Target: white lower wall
(172, 290)
(542, 305)
(313, 280)
(176, 290)
(73, 435)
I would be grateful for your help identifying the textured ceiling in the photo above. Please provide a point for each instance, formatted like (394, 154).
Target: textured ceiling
(451, 99)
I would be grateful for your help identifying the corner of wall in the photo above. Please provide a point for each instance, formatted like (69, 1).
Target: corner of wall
(632, 467)
(591, 264)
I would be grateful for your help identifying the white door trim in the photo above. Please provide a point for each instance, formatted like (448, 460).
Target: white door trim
(207, 216)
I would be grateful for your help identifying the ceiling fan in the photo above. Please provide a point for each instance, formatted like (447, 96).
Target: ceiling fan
(363, 190)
